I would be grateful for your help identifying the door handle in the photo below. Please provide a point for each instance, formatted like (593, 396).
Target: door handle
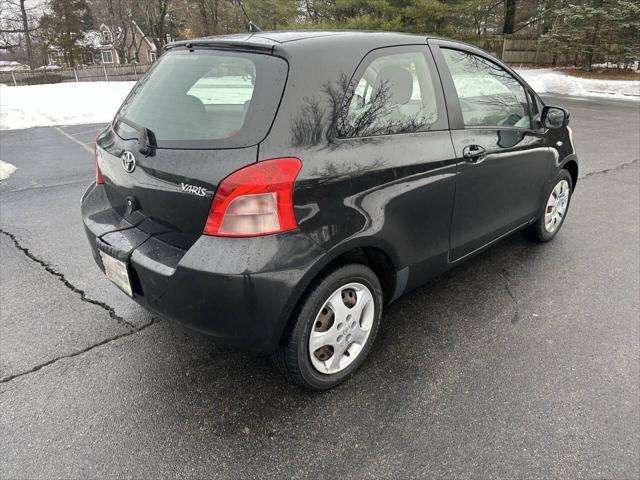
(474, 153)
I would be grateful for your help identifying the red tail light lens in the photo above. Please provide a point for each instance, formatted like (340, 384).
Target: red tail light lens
(99, 177)
(255, 200)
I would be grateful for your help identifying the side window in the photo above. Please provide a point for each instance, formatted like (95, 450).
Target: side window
(489, 95)
(394, 94)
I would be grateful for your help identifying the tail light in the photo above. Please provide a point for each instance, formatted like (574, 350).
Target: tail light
(99, 177)
(255, 200)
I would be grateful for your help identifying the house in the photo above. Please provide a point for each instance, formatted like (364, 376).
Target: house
(10, 66)
(108, 46)
(137, 47)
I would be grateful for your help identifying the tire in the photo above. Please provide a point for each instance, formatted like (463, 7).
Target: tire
(538, 231)
(359, 291)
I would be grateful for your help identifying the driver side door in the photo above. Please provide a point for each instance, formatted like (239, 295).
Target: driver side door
(503, 160)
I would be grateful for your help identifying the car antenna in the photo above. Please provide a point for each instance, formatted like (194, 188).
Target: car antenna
(253, 28)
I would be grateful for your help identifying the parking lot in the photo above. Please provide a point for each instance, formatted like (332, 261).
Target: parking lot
(523, 362)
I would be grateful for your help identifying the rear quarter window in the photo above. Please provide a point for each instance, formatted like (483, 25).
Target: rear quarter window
(394, 94)
(205, 99)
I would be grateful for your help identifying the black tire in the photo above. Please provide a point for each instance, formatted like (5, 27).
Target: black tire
(293, 358)
(537, 231)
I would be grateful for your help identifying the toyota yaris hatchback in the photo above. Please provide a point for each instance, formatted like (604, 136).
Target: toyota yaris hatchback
(277, 190)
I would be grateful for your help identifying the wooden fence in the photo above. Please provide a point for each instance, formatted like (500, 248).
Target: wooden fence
(518, 50)
(99, 73)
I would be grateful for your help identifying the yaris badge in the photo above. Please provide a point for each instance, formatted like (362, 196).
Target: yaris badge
(128, 162)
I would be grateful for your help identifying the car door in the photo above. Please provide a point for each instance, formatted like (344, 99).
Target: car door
(397, 119)
(384, 175)
(503, 157)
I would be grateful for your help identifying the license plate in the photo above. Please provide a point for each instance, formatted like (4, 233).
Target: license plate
(117, 272)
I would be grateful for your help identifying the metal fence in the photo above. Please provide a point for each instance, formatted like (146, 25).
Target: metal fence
(99, 73)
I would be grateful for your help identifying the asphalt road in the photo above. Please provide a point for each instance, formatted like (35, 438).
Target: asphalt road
(522, 363)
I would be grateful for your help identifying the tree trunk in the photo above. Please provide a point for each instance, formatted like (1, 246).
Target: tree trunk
(27, 33)
(132, 45)
(509, 16)
(547, 18)
(161, 24)
(216, 18)
(310, 15)
(205, 18)
(592, 43)
(69, 40)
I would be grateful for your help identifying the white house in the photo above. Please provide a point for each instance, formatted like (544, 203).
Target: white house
(99, 47)
(135, 42)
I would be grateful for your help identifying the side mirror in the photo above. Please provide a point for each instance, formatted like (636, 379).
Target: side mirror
(554, 117)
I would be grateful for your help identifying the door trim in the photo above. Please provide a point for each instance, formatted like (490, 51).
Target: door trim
(488, 244)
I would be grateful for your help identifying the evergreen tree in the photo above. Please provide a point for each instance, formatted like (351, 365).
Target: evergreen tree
(272, 14)
(65, 24)
(588, 29)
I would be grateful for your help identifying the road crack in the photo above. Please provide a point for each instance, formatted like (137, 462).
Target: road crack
(506, 276)
(609, 170)
(75, 354)
(83, 296)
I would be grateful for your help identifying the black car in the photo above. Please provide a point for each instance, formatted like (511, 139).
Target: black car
(276, 190)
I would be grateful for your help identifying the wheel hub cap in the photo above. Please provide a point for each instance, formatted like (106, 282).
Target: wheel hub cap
(341, 328)
(556, 206)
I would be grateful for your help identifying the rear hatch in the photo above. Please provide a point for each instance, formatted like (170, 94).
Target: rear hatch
(197, 116)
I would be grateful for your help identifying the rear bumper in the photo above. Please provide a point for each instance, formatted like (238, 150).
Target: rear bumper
(240, 290)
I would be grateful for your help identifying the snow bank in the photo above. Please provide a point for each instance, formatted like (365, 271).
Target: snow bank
(60, 103)
(553, 81)
(6, 170)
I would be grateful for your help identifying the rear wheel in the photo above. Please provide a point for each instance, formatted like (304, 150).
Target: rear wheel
(333, 330)
(554, 210)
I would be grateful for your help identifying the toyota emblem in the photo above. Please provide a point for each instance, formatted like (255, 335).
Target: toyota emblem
(128, 162)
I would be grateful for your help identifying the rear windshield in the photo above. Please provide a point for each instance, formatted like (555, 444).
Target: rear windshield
(205, 99)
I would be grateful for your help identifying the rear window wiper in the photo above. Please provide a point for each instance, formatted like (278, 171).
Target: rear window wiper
(146, 138)
(146, 142)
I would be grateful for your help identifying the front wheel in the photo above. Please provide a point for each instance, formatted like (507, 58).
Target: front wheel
(333, 330)
(554, 210)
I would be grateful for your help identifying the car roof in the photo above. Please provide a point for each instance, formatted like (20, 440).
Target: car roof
(358, 35)
(270, 40)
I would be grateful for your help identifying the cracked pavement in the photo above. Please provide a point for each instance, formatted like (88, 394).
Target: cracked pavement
(523, 362)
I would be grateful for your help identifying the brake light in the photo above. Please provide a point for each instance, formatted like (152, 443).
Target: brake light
(255, 200)
(99, 177)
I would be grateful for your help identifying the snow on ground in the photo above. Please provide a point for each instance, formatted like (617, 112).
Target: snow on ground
(97, 102)
(6, 170)
(546, 80)
(60, 103)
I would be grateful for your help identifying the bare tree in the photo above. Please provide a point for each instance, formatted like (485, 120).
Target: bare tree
(16, 18)
(204, 16)
(119, 19)
(155, 14)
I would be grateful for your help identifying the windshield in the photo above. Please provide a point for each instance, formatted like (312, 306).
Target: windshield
(205, 99)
